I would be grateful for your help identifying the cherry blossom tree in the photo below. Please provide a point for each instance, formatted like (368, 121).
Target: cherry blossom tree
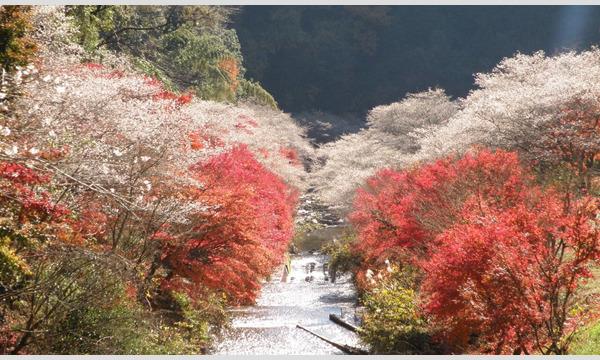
(545, 107)
(389, 141)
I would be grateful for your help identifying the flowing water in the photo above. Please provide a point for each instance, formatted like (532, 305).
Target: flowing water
(305, 297)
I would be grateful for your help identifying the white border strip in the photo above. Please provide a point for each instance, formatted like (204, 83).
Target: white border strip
(296, 357)
(302, 2)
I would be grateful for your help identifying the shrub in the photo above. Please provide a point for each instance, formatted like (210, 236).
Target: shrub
(392, 323)
(108, 330)
(63, 282)
(342, 258)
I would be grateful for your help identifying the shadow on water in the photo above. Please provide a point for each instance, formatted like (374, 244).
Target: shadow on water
(306, 298)
(337, 298)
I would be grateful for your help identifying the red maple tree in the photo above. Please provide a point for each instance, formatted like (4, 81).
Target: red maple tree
(501, 257)
(241, 232)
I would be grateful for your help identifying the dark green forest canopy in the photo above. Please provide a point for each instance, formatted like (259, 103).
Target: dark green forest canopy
(348, 59)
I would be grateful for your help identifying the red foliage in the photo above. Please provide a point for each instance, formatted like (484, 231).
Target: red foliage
(91, 223)
(98, 70)
(54, 153)
(101, 71)
(248, 120)
(24, 202)
(290, 154)
(501, 258)
(204, 138)
(509, 275)
(131, 292)
(94, 66)
(180, 100)
(574, 139)
(399, 213)
(18, 173)
(196, 140)
(115, 74)
(264, 152)
(8, 337)
(242, 230)
(243, 127)
(152, 81)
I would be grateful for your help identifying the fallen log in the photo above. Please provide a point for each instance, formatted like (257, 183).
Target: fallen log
(336, 319)
(345, 348)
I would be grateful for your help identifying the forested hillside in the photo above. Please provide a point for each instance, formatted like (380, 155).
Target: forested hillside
(345, 60)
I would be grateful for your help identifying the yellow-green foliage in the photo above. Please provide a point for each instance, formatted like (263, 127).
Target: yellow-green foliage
(587, 342)
(96, 312)
(187, 330)
(12, 267)
(185, 47)
(89, 21)
(587, 339)
(17, 48)
(391, 323)
(341, 257)
(253, 91)
(193, 324)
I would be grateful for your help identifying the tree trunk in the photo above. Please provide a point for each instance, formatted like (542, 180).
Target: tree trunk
(336, 319)
(345, 348)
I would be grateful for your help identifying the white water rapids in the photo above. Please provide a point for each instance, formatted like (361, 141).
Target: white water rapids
(306, 298)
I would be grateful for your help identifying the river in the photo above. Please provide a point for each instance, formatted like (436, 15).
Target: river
(306, 297)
